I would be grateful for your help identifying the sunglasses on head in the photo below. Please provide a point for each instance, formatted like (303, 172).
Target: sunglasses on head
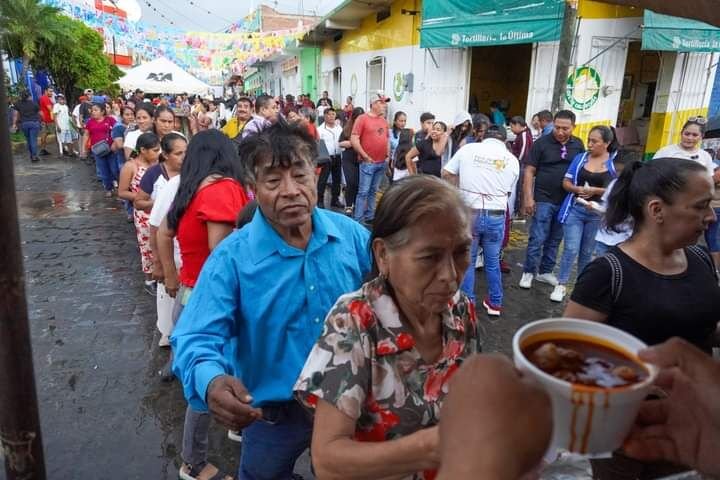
(698, 120)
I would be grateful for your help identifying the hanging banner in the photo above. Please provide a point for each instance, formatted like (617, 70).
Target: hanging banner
(207, 55)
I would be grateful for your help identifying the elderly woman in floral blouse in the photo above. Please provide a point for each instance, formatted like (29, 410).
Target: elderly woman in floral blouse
(378, 375)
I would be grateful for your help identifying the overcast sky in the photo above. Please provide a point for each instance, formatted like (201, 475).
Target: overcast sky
(193, 14)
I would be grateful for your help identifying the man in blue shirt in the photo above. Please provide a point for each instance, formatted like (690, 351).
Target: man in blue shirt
(266, 290)
(546, 122)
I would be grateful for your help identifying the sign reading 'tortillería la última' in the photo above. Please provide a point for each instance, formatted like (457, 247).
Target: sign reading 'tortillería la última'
(469, 23)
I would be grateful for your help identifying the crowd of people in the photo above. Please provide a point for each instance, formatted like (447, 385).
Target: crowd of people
(300, 318)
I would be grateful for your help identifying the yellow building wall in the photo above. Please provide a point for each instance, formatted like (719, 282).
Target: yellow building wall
(582, 130)
(661, 124)
(595, 9)
(397, 30)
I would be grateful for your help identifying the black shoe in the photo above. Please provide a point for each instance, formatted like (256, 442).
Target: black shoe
(151, 288)
(44, 152)
(166, 374)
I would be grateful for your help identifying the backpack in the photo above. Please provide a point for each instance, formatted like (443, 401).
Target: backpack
(405, 144)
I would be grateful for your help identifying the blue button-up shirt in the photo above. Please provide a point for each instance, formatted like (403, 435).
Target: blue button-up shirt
(259, 305)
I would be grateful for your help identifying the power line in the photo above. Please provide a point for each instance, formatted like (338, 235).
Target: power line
(177, 12)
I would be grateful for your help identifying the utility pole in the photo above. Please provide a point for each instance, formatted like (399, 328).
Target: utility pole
(20, 438)
(567, 40)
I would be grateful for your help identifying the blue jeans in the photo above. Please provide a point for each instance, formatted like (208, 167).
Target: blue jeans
(488, 232)
(601, 248)
(31, 131)
(711, 234)
(106, 167)
(580, 228)
(272, 445)
(119, 162)
(370, 176)
(546, 233)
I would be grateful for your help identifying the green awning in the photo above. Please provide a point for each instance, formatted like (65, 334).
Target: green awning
(666, 33)
(469, 23)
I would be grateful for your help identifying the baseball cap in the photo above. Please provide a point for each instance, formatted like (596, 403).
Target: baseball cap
(89, 91)
(60, 95)
(379, 96)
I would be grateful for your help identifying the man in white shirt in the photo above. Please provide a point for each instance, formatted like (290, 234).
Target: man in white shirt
(486, 173)
(330, 132)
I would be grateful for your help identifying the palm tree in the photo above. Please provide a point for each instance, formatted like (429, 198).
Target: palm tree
(24, 24)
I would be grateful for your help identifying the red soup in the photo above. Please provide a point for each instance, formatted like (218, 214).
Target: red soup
(585, 363)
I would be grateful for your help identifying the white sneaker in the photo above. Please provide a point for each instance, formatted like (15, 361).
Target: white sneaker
(235, 435)
(558, 294)
(164, 341)
(526, 280)
(548, 278)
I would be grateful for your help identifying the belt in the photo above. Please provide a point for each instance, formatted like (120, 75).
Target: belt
(492, 213)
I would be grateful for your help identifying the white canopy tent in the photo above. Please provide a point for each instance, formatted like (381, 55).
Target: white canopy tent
(162, 76)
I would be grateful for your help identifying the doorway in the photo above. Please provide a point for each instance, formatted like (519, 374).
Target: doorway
(500, 74)
(638, 95)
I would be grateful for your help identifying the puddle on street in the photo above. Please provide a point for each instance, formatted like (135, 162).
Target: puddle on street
(40, 205)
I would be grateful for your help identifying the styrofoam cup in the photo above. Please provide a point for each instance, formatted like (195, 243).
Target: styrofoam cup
(586, 420)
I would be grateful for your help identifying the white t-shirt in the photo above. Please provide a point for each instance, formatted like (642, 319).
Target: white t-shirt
(164, 196)
(131, 139)
(331, 137)
(487, 172)
(62, 116)
(76, 115)
(611, 237)
(699, 155)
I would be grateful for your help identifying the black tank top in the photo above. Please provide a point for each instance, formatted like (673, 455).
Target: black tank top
(594, 179)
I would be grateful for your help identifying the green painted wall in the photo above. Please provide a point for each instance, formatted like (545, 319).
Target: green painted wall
(309, 63)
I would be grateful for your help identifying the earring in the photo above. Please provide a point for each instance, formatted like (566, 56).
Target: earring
(383, 276)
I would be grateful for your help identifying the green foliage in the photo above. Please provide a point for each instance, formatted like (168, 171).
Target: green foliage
(78, 62)
(45, 38)
(24, 23)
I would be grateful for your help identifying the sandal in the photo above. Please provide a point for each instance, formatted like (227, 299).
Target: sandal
(188, 472)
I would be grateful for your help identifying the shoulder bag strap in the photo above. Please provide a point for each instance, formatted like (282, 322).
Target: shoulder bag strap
(616, 275)
(703, 255)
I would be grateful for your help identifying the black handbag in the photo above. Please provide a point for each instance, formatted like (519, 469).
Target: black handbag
(323, 154)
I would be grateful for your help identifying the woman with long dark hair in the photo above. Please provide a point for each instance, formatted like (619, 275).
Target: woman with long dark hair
(657, 284)
(145, 156)
(585, 181)
(401, 139)
(350, 162)
(429, 152)
(127, 117)
(210, 196)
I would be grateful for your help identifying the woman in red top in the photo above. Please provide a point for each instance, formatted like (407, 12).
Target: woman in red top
(97, 130)
(209, 198)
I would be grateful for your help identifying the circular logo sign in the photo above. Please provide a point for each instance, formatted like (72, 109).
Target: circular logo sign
(583, 88)
(398, 86)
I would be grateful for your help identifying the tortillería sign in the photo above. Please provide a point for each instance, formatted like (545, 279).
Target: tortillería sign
(468, 23)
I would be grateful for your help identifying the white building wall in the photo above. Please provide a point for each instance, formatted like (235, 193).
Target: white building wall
(441, 88)
(603, 45)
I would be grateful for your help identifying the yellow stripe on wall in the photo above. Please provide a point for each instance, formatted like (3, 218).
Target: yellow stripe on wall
(398, 30)
(582, 130)
(661, 125)
(594, 9)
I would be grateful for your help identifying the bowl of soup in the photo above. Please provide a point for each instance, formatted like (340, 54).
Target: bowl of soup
(593, 376)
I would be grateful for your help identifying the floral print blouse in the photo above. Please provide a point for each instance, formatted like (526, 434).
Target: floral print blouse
(365, 364)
